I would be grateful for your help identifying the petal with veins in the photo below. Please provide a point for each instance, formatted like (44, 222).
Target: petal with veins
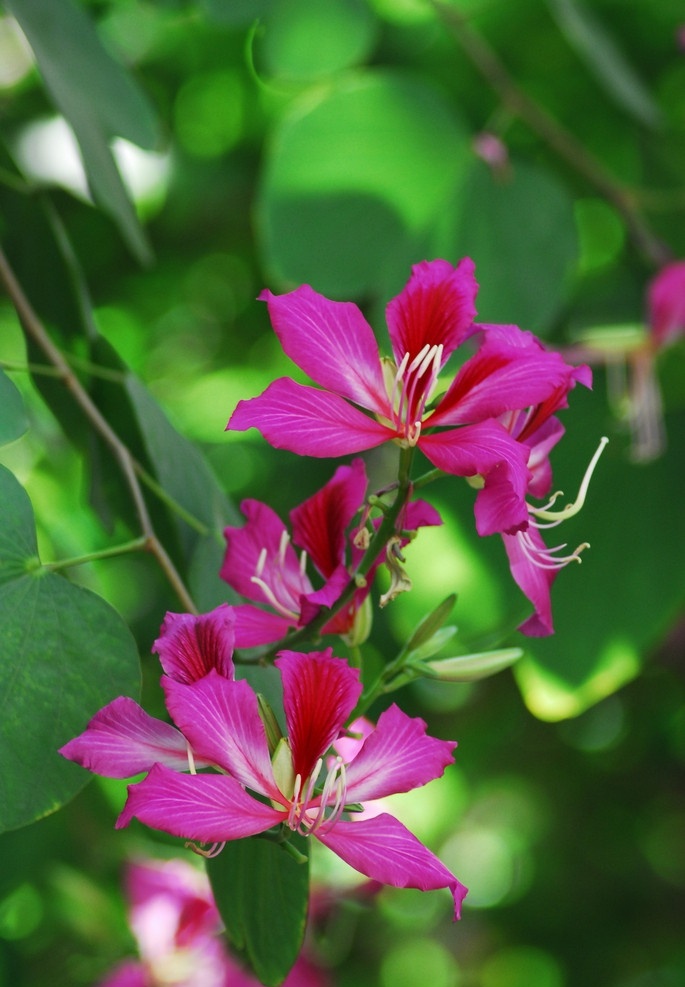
(206, 808)
(384, 850)
(122, 740)
(397, 757)
(319, 693)
(222, 722)
(308, 421)
(332, 342)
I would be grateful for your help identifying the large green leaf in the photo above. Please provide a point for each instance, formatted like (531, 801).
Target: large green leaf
(357, 175)
(521, 233)
(13, 421)
(65, 654)
(98, 98)
(262, 892)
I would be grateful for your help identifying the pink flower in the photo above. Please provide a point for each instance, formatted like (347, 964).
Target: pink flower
(666, 303)
(221, 722)
(262, 565)
(365, 400)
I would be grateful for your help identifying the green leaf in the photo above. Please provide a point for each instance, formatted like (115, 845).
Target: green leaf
(13, 420)
(262, 893)
(357, 176)
(597, 47)
(66, 653)
(98, 98)
(521, 233)
(305, 40)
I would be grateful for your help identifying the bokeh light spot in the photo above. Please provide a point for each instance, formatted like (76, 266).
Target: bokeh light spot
(522, 966)
(20, 912)
(209, 113)
(419, 961)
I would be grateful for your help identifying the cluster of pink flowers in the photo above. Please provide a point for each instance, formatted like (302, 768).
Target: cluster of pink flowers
(494, 422)
(224, 769)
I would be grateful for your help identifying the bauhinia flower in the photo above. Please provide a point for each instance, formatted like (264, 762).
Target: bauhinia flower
(365, 400)
(297, 789)
(261, 562)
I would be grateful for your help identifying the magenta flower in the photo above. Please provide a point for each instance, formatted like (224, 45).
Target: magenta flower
(221, 721)
(666, 303)
(262, 565)
(365, 400)
(123, 740)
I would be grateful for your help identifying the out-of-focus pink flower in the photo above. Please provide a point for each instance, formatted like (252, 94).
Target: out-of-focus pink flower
(177, 930)
(666, 303)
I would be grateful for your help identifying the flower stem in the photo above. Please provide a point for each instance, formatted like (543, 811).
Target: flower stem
(34, 328)
(138, 544)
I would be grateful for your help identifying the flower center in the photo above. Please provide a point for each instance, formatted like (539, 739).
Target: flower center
(310, 813)
(411, 389)
(281, 584)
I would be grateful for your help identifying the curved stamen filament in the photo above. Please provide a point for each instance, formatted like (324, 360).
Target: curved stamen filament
(273, 600)
(545, 514)
(545, 558)
(411, 392)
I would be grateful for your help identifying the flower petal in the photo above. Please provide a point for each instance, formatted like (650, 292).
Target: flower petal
(511, 370)
(332, 342)
(224, 726)
(254, 627)
(533, 580)
(264, 532)
(308, 422)
(320, 522)
(319, 693)
(384, 850)
(122, 740)
(488, 449)
(436, 306)
(397, 757)
(189, 645)
(207, 808)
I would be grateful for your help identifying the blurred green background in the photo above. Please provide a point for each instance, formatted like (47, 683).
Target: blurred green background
(335, 143)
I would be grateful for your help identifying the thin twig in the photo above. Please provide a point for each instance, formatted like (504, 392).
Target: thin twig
(34, 327)
(556, 136)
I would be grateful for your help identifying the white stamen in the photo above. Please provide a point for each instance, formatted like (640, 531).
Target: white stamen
(303, 563)
(294, 803)
(272, 599)
(191, 759)
(261, 562)
(544, 558)
(546, 515)
(282, 548)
